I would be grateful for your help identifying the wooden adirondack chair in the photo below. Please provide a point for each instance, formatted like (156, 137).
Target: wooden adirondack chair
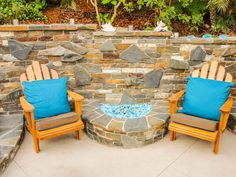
(199, 126)
(38, 71)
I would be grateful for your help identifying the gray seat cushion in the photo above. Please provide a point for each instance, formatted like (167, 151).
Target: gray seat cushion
(194, 121)
(56, 121)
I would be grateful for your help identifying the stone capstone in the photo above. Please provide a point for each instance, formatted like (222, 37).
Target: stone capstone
(107, 46)
(77, 48)
(19, 50)
(152, 79)
(133, 54)
(82, 76)
(178, 64)
(197, 54)
(102, 121)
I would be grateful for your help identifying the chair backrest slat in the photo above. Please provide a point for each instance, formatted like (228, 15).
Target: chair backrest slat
(221, 73)
(54, 74)
(45, 71)
(23, 77)
(37, 70)
(213, 71)
(195, 73)
(228, 78)
(204, 71)
(30, 73)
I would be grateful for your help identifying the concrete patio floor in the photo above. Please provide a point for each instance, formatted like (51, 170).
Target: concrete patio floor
(65, 157)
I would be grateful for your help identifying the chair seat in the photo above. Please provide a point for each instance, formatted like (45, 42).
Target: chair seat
(194, 121)
(56, 121)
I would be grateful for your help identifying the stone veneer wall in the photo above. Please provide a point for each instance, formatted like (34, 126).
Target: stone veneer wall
(147, 65)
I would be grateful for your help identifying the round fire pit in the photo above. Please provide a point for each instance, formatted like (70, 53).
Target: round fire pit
(127, 125)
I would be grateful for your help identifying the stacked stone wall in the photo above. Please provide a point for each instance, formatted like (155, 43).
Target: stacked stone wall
(150, 66)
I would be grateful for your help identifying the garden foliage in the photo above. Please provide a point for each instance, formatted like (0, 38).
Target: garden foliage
(192, 13)
(216, 15)
(22, 10)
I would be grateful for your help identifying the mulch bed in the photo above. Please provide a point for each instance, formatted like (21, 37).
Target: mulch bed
(85, 14)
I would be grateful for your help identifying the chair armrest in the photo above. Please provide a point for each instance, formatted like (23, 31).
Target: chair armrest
(173, 101)
(177, 96)
(75, 96)
(27, 107)
(225, 110)
(227, 106)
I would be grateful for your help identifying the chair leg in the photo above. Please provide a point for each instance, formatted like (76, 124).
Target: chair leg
(78, 134)
(216, 145)
(36, 144)
(172, 135)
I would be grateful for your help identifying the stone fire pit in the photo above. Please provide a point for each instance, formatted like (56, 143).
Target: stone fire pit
(124, 132)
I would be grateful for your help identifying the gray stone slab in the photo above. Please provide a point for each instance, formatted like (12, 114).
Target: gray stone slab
(107, 46)
(77, 48)
(70, 56)
(127, 99)
(82, 76)
(152, 79)
(135, 125)
(54, 51)
(133, 54)
(197, 54)
(19, 50)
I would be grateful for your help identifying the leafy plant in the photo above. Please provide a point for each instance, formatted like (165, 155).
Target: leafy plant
(104, 18)
(191, 12)
(20, 9)
(129, 7)
(225, 21)
(217, 5)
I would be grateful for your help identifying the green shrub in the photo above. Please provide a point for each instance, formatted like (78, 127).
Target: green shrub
(191, 12)
(22, 10)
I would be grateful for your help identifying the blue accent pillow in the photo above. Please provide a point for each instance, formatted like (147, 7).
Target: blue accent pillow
(49, 97)
(204, 97)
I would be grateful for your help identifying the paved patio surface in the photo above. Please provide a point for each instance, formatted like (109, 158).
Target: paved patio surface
(66, 157)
